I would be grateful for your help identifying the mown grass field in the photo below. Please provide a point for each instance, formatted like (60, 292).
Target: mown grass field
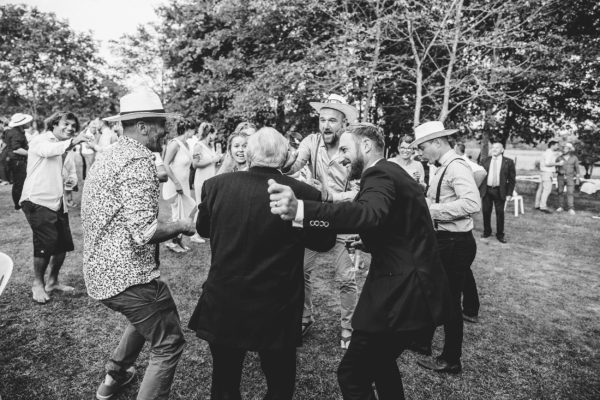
(539, 336)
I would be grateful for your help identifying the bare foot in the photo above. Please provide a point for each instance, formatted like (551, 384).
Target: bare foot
(39, 294)
(59, 286)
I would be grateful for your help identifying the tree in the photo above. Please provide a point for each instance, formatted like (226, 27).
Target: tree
(46, 66)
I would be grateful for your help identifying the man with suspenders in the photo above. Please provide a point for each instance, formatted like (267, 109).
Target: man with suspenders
(317, 152)
(452, 198)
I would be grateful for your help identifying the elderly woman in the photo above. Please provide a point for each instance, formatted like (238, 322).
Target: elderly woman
(178, 159)
(236, 152)
(405, 160)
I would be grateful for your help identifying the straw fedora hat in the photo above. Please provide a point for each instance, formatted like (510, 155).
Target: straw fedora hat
(19, 119)
(337, 102)
(429, 131)
(141, 103)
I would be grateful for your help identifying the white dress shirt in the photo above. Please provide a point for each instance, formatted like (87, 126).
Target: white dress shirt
(493, 178)
(44, 183)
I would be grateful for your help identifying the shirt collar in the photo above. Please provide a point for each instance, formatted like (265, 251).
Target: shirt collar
(448, 156)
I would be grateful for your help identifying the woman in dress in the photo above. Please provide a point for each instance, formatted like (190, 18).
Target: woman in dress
(236, 151)
(205, 160)
(405, 160)
(178, 159)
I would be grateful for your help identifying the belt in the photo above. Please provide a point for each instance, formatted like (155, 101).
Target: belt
(448, 234)
(493, 187)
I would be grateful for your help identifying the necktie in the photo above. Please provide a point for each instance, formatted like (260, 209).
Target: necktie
(494, 172)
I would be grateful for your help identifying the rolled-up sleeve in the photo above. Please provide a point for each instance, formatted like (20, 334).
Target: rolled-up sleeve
(140, 199)
(467, 200)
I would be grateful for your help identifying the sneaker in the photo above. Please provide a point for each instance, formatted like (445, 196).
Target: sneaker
(106, 391)
(560, 209)
(174, 247)
(572, 212)
(197, 239)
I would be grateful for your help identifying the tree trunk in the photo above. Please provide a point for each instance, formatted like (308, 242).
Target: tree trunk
(418, 96)
(451, 62)
(280, 119)
(508, 122)
(374, 62)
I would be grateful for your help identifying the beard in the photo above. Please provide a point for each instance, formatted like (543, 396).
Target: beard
(356, 168)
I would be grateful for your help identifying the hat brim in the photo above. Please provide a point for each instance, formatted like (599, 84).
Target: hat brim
(140, 115)
(433, 135)
(350, 112)
(24, 121)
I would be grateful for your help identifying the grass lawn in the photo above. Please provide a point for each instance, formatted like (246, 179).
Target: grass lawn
(539, 336)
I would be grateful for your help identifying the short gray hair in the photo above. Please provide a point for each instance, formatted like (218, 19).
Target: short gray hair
(267, 148)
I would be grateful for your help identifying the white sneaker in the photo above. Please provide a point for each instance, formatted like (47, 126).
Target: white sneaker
(572, 212)
(197, 239)
(560, 209)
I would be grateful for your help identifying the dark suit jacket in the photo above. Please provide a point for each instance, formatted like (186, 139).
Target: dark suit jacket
(507, 176)
(406, 288)
(254, 294)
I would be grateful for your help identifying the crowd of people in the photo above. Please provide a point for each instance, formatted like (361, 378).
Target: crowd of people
(269, 211)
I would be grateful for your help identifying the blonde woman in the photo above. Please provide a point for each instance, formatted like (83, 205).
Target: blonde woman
(178, 159)
(236, 151)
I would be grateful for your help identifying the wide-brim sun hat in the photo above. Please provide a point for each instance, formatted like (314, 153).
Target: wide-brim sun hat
(139, 104)
(429, 131)
(19, 119)
(337, 102)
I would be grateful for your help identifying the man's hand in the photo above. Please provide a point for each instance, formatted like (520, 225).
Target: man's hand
(508, 198)
(82, 137)
(188, 227)
(283, 200)
(316, 184)
(178, 188)
(292, 155)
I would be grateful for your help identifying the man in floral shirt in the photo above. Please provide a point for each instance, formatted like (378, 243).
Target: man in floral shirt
(120, 256)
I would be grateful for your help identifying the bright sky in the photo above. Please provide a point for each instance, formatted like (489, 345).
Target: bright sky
(106, 19)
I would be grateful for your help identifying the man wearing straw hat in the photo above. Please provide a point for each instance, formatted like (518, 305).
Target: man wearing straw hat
(318, 151)
(16, 143)
(119, 212)
(452, 197)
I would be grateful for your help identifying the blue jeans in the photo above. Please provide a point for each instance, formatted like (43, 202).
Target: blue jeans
(152, 317)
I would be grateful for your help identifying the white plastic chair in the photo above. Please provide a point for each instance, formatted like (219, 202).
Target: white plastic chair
(517, 200)
(6, 267)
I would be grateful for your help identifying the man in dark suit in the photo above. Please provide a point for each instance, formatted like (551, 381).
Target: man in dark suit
(501, 178)
(406, 291)
(253, 297)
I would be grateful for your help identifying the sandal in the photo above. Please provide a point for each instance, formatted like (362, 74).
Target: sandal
(174, 247)
(345, 342)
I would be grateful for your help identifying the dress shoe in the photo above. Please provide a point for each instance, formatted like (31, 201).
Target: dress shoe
(501, 239)
(420, 348)
(470, 318)
(545, 210)
(438, 364)
(485, 236)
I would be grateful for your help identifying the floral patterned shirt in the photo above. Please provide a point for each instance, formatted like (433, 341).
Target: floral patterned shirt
(119, 212)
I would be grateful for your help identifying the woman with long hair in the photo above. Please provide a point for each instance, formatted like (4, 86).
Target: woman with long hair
(204, 160)
(178, 159)
(236, 151)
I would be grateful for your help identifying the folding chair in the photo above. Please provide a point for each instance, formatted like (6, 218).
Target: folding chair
(6, 267)
(517, 200)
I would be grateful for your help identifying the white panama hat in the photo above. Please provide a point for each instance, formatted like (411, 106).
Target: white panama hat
(19, 119)
(337, 102)
(141, 103)
(429, 131)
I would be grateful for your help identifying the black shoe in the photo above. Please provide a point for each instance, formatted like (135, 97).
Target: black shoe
(545, 210)
(470, 318)
(438, 364)
(536, 208)
(485, 235)
(501, 239)
(420, 348)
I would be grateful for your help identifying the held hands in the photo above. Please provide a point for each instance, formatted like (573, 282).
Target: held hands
(283, 200)
(187, 226)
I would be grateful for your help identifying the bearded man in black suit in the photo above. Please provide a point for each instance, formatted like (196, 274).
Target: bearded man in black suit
(253, 297)
(406, 292)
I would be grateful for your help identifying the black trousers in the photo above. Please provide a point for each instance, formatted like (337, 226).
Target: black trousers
(18, 169)
(492, 199)
(457, 251)
(371, 358)
(279, 367)
(470, 301)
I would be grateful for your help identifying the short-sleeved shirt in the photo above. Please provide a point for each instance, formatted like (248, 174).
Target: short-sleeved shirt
(119, 212)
